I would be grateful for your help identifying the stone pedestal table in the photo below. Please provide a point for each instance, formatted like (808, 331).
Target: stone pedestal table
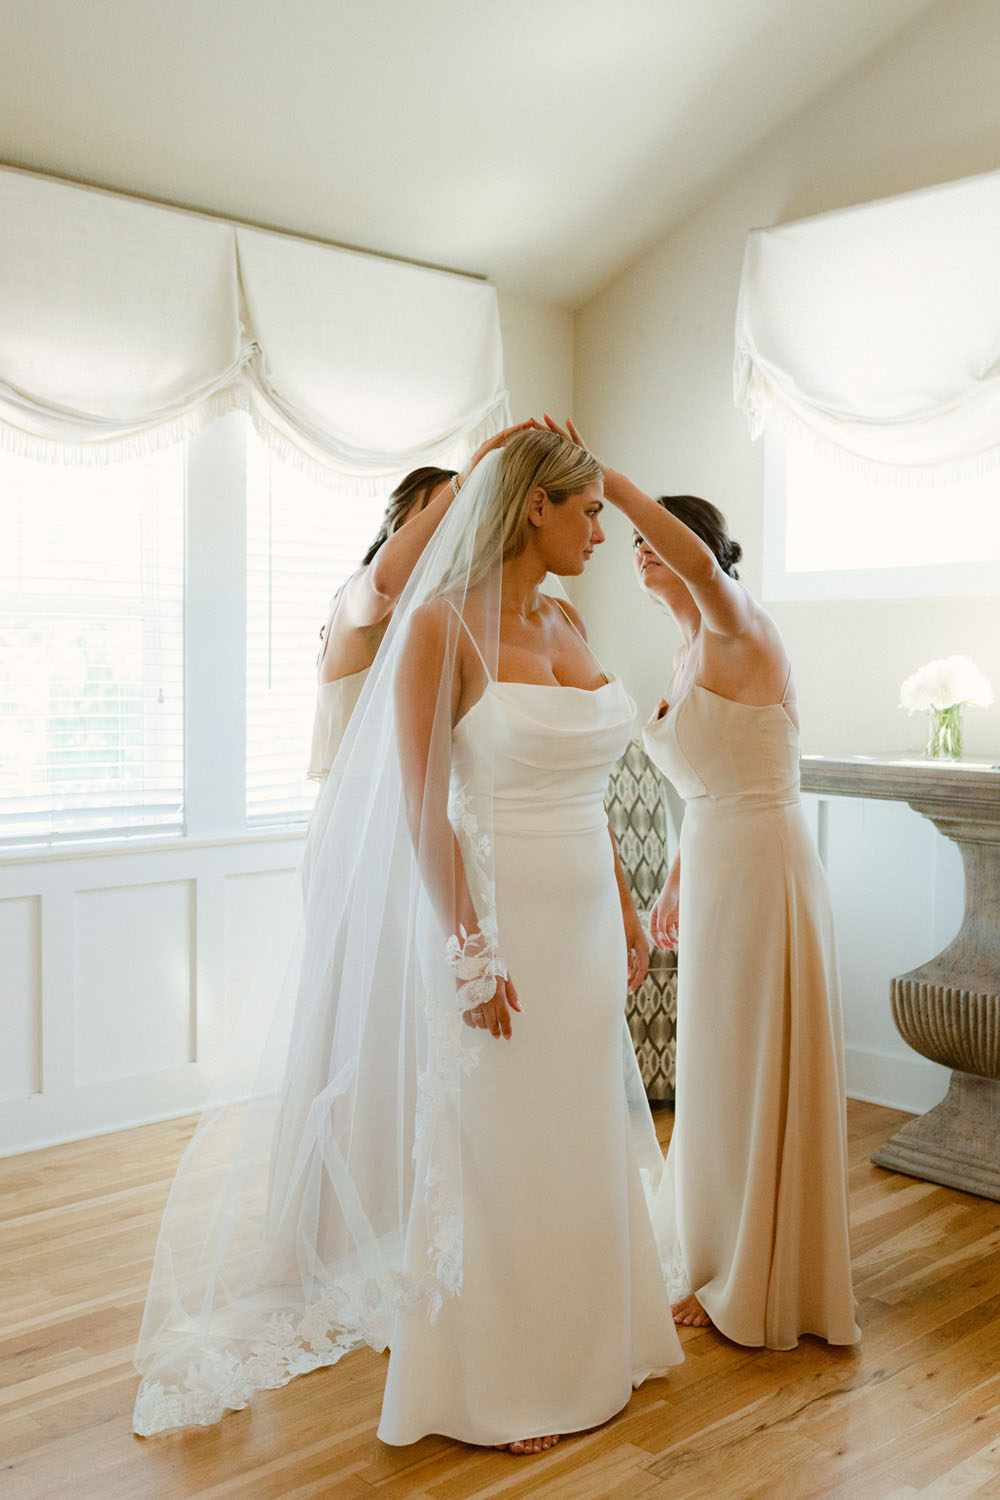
(948, 1009)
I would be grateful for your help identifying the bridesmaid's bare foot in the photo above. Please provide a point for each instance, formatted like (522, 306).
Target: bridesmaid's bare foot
(690, 1313)
(529, 1445)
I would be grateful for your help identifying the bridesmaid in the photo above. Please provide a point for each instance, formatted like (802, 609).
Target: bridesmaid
(754, 1200)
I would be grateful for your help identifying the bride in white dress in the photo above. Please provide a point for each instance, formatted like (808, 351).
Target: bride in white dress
(563, 1307)
(460, 1179)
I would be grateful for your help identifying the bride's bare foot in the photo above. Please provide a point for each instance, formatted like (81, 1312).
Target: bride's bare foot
(690, 1313)
(529, 1445)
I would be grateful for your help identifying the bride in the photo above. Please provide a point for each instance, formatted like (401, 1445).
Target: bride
(458, 1177)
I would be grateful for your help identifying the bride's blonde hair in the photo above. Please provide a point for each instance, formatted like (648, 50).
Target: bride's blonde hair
(538, 460)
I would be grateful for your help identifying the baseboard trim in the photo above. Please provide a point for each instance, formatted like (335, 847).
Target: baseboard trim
(911, 1083)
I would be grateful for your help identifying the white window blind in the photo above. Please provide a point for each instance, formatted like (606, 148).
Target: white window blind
(91, 648)
(303, 540)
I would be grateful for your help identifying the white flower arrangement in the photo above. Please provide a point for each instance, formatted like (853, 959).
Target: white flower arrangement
(943, 684)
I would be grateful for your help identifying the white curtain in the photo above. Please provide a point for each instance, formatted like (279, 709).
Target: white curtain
(875, 332)
(124, 325)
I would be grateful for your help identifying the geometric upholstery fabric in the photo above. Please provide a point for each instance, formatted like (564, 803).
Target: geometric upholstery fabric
(638, 820)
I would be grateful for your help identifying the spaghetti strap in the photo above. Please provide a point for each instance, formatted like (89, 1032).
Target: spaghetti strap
(784, 690)
(579, 632)
(475, 644)
(334, 609)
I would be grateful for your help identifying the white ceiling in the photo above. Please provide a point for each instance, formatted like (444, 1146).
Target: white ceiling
(544, 143)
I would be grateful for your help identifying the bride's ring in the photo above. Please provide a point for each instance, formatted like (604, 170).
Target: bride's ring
(478, 1012)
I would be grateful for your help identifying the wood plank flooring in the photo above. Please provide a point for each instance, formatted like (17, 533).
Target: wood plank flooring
(913, 1411)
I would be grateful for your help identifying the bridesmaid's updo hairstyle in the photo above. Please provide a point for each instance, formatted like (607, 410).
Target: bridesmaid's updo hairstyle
(410, 494)
(708, 523)
(538, 460)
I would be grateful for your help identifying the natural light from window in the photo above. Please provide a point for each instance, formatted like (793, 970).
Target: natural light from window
(830, 533)
(304, 538)
(91, 647)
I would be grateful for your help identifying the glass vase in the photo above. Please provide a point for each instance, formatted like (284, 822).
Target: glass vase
(945, 739)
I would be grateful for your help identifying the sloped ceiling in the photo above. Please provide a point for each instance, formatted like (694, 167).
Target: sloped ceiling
(544, 143)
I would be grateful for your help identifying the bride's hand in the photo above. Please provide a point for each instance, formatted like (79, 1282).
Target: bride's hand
(638, 952)
(494, 442)
(494, 1015)
(663, 921)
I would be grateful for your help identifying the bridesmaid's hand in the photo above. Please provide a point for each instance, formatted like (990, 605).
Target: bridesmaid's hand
(570, 433)
(495, 442)
(638, 952)
(494, 1015)
(663, 921)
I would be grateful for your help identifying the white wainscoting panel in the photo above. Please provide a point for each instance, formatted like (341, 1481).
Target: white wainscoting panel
(134, 991)
(21, 987)
(262, 912)
(117, 966)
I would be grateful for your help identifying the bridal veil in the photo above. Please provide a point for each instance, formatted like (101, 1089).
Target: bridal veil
(281, 1247)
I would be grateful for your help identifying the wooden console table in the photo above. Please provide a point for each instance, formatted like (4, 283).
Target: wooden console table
(948, 1009)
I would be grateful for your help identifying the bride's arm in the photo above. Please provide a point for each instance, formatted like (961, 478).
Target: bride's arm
(424, 728)
(635, 938)
(424, 737)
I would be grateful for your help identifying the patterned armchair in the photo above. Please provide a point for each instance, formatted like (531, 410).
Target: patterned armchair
(638, 817)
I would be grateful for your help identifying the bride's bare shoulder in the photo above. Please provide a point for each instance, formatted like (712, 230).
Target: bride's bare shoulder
(563, 608)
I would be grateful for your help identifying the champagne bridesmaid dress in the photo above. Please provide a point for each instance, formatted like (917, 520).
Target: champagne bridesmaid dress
(754, 1198)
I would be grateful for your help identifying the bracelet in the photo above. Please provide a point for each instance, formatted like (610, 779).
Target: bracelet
(477, 966)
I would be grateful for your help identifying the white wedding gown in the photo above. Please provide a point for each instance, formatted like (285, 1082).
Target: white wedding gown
(563, 1306)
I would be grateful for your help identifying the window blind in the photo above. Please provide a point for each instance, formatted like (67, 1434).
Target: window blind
(303, 540)
(91, 648)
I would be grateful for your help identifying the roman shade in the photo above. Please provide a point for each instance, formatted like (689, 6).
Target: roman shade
(875, 333)
(125, 324)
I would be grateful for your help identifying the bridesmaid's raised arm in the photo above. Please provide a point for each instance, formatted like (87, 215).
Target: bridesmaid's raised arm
(725, 606)
(372, 594)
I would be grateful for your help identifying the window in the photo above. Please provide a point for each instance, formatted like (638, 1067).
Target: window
(829, 534)
(93, 663)
(304, 539)
(91, 648)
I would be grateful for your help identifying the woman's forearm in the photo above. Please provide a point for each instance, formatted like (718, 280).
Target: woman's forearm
(396, 559)
(390, 569)
(624, 889)
(672, 541)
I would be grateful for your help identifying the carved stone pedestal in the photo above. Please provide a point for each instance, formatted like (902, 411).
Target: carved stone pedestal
(955, 1142)
(948, 1009)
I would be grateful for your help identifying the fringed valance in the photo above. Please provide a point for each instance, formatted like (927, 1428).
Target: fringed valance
(125, 325)
(875, 333)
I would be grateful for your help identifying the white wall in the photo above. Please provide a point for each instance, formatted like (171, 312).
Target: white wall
(121, 968)
(653, 393)
(897, 891)
(537, 354)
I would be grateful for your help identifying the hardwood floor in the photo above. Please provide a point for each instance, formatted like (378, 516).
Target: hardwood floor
(913, 1411)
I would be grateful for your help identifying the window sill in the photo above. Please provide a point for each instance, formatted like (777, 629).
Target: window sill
(179, 843)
